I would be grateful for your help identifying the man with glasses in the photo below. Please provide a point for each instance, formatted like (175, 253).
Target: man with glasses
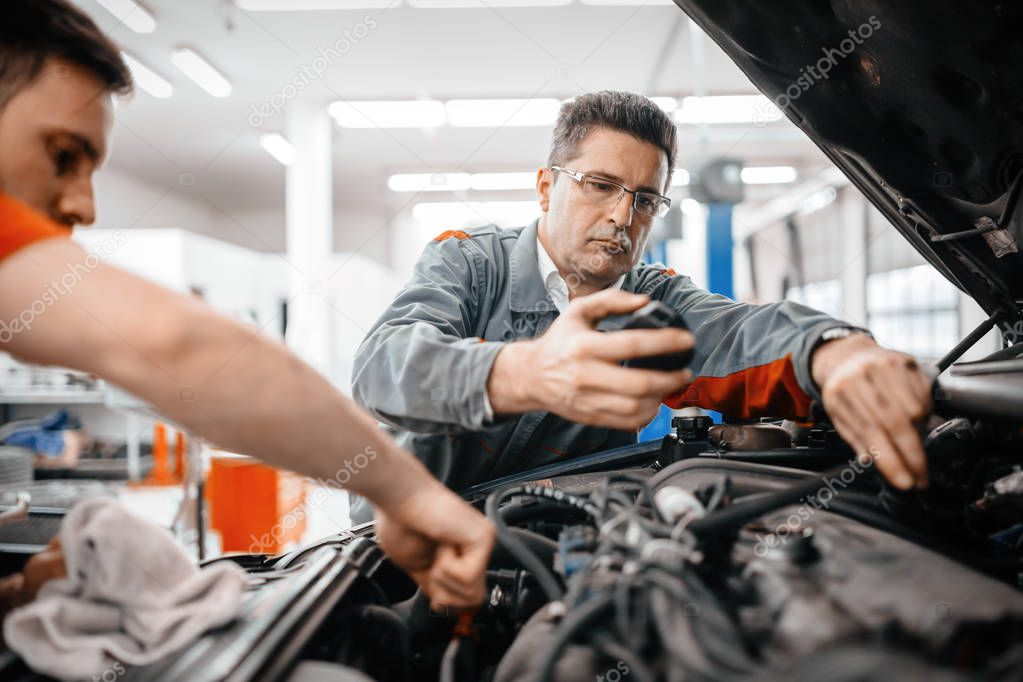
(489, 362)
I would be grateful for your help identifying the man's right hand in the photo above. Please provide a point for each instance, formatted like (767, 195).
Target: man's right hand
(575, 371)
(439, 540)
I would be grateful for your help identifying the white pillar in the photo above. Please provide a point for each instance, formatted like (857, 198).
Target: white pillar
(852, 218)
(309, 230)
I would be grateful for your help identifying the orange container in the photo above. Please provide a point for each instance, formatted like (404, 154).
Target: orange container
(161, 474)
(255, 508)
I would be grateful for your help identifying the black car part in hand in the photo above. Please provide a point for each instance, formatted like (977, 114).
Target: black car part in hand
(654, 315)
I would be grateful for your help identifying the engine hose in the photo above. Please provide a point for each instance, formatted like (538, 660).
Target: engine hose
(447, 663)
(741, 512)
(517, 548)
(638, 672)
(573, 623)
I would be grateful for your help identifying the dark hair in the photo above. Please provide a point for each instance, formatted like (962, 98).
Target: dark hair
(625, 111)
(32, 31)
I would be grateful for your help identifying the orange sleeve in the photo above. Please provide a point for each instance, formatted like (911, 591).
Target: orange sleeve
(760, 391)
(21, 226)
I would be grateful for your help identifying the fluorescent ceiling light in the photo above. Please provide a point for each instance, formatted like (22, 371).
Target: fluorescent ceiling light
(301, 5)
(818, 200)
(147, 79)
(505, 213)
(425, 113)
(201, 71)
(449, 4)
(428, 182)
(667, 104)
(470, 113)
(768, 175)
(749, 109)
(691, 206)
(131, 14)
(437, 182)
(680, 177)
(278, 147)
(503, 181)
(628, 2)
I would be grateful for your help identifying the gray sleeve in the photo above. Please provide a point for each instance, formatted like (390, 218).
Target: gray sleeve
(421, 367)
(750, 360)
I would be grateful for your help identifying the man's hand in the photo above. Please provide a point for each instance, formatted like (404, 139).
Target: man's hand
(875, 397)
(574, 370)
(442, 542)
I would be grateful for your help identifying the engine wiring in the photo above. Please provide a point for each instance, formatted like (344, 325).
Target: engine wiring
(651, 583)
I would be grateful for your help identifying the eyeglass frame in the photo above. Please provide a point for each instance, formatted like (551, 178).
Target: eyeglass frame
(580, 177)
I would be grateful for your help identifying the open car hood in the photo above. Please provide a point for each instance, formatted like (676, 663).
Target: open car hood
(923, 111)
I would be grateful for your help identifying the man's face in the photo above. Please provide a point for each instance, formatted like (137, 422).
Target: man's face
(53, 137)
(599, 242)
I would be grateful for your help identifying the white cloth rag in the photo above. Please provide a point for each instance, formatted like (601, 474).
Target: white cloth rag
(131, 597)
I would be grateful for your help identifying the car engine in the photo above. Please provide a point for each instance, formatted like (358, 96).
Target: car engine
(716, 566)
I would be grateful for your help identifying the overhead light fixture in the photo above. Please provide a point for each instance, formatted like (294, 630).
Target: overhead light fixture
(768, 175)
(484, 113)
(147, 79)
(304, 5)
(437, 182)
(818, 200)
(428, 182)
(424, 113)
(508, 213)
(131, 14)
(627, 2)
(749, 109)
(680, 178)
(278, 147)
(503, 181)
(201, 71)
(667, 104)
(691, 206)
(458, 4)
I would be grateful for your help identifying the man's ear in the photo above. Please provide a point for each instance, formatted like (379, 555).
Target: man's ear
(544, 185)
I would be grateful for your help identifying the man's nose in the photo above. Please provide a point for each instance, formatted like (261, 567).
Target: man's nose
(621, 215)
(76, 204)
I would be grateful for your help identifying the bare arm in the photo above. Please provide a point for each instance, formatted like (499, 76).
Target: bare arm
(220, 379)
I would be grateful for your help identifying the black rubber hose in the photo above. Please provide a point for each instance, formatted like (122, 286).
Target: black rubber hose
(388, 618)
(518, 549)
(741, 512)
(638, 672)
(573, 623)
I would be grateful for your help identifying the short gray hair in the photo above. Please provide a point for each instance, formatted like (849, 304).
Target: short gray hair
(625, 111)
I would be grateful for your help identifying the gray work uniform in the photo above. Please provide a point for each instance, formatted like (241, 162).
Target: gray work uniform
(424, 366)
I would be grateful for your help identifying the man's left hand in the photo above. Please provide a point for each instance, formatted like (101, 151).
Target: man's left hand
(875, 398)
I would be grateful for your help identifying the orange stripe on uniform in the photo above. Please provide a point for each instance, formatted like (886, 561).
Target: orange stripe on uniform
(448, 234)
(670, 272)
(769, 390)
(21, 226)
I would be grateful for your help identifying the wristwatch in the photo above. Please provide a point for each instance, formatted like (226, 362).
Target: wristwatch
(840, 333)
(832, 334)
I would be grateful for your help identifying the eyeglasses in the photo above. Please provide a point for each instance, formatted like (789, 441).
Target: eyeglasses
(598, 190)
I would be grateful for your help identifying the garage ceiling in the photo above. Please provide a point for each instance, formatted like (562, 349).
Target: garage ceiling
(404, 53)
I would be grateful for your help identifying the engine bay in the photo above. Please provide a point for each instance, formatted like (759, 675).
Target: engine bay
(757, 551)
(717, 566)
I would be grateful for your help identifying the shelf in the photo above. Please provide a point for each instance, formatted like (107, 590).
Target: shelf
(91, 397)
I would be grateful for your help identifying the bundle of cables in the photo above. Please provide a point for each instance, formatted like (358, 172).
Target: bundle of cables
(644, 598)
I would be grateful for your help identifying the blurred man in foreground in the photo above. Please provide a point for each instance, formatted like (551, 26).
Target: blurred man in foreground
(219, 379)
